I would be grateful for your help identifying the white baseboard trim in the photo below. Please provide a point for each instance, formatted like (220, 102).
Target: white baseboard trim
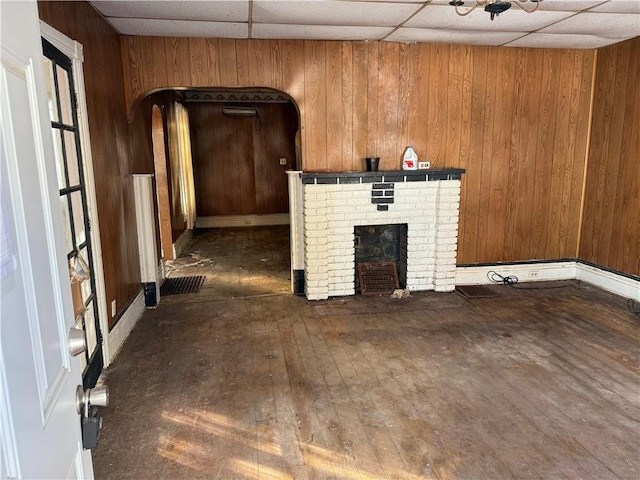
(526, 272)
(181, 242)
(243, 220)
(122, 329)
(610, 281)
(547, 271)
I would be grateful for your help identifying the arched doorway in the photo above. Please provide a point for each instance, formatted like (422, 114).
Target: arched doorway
(241, 144)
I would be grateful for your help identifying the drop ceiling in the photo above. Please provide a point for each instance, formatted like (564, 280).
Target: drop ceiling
(555, 23)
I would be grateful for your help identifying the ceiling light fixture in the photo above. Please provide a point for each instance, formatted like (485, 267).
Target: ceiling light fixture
(494, 7)
(239, 112)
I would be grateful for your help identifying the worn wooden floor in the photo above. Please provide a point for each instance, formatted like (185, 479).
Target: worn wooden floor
(537, 384)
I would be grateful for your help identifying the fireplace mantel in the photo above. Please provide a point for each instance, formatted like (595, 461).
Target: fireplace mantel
(342, 178)
(325, 207)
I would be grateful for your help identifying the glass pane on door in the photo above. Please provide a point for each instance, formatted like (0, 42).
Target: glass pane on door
(73, 202)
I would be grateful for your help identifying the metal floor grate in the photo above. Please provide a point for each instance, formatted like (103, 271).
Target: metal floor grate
(378, 278)
(181, 285)
(475, 291)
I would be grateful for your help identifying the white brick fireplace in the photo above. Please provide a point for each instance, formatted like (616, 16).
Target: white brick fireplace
(325, 208)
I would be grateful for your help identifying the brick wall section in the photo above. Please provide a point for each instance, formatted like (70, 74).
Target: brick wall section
(331, 211)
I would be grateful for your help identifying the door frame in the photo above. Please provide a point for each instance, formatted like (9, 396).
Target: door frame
(74, 51)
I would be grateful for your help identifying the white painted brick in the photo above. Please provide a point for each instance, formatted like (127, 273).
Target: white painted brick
(341, 292)
(447, 227)
(443, 262)
(315, 233)
(317, 295)
(315, 263)
(445, 288)
(340, 229)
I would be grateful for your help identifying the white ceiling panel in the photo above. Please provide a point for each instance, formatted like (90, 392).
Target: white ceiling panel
(213, 11)
(179, 28)
(607, 25)
(453, 36)
(318, 32)
(619, 6)
(556, 23)
(332, 12)
(567, 5)
(549, 40)
(513, 20)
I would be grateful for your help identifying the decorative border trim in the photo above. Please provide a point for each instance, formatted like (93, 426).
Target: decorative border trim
(235, 96)
(566, 269)
(124, 325)
(243, 220)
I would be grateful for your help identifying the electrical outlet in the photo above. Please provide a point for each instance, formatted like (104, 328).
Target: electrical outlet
(283, 161)
(534, 274)
(113, 308)
(424, 165)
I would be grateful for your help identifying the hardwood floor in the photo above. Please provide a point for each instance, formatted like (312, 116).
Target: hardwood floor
(529, 384)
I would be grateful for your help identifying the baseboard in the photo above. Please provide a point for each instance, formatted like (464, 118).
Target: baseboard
(243, 220)
(122, 329)
(607, 280)
(541, 271)
(181, 243)
(526, 272)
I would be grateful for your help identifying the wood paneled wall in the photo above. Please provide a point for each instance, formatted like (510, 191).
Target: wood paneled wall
(611, 220)
(118, 148)
(516, 119)
(236, 160)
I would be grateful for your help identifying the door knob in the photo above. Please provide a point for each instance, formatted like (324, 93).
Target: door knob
(77, 341)
(91, 397)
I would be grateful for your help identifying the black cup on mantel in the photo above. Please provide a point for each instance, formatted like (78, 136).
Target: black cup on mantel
(372, 163)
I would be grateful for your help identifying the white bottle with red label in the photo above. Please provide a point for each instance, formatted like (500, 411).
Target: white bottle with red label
(410, 159)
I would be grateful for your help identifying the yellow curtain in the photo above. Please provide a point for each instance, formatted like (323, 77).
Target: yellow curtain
(187, 188)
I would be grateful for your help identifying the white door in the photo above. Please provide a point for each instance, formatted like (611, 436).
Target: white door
(40, 428)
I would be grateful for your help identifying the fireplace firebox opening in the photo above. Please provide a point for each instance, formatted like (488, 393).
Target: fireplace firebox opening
(381, 243)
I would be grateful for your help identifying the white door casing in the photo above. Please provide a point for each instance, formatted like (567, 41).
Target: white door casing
(40, 435)
(74, 51)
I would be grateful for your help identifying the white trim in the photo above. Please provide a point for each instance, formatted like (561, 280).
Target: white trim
(145, 226)
(243, 220)
(612, 282)
(66, 45)
(181, 242)
(74, 51)
(9, 459)
(296, 220)
(122, 329)
(526, 272)
(546, 271)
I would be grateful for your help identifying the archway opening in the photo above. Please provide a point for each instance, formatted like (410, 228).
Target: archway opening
(241, 144)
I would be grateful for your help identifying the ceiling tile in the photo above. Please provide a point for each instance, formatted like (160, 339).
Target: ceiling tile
(568, 5)
(218, 10)
(513, 20)
(607, 25)
(331, 12)
(453, 36)
(318, 32)
(549, 40)
(619, 6)
(179, 28)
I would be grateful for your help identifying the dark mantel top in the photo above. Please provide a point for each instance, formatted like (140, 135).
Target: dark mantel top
(341, 178)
